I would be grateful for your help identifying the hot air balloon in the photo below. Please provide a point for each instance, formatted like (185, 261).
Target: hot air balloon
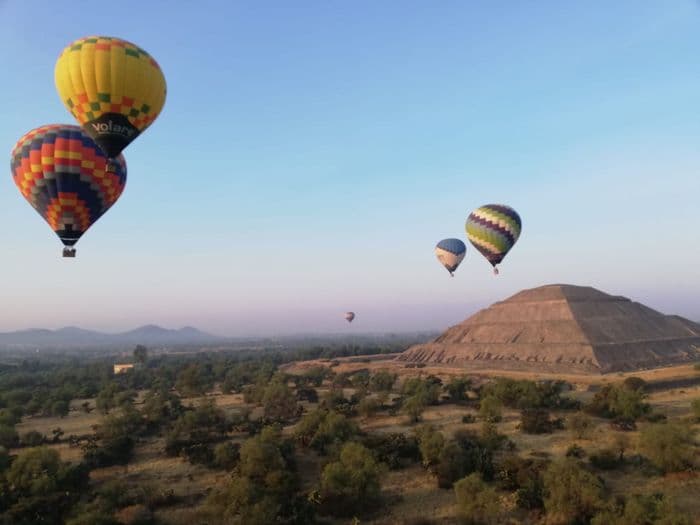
(113, 88)
(64, 176)
(349, 316)
(493, 229)
(450, 253)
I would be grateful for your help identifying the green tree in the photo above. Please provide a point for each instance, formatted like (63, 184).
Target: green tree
(490, 408)
(695, 407)
(572, 494)
(413, 407)
(430, 442)
(279, 402)
(34, 471)
(669, 446)
(8, 436)
(457, 388)
(477, 503)
(141, 354)
(227, 455)
(351, 484)
(383, 381)
(535, 421)
(368, 407)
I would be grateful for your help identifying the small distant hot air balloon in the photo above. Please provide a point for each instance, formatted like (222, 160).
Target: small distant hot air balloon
(450, 253)
(349, 316)
(493, 229)
(64, 176)
(113, 88)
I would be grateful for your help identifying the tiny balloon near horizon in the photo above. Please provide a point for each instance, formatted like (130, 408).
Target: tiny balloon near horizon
(349, 316)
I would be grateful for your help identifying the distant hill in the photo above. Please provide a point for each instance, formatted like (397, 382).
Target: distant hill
(72, 336)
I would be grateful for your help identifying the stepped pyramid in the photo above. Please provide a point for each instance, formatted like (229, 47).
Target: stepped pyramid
(561, 328)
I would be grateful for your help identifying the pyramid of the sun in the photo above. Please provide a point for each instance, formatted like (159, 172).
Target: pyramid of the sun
(564, 329)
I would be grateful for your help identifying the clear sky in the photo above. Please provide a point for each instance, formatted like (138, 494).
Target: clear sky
(311, 154)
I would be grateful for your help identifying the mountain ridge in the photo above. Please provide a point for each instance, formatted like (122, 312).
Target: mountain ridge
(76, 336)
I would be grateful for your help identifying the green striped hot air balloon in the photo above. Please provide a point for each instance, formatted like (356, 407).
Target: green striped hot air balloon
(493, 229)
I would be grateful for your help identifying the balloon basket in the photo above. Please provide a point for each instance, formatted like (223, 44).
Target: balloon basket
(69, 252)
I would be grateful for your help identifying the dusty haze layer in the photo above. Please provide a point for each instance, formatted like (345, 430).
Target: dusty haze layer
(567, 329)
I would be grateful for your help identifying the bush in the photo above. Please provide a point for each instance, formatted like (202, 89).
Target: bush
(620, 401)
(351, 485)
(642, 510)
(457, 388)
(32, 439)
(669, 446)
(535, 421)
(431, 442)
(459, 458)
(382, 381)
(580, 425)
(226, 455)
(394, 449)
(413, 407)
(575, 451)
(490, 409)
(278, 402)
(368, 407)
(695, 407)
(605, 459)
(8, 436)
(469, 418)
(477, 503)
(323, 429)
(572, 494)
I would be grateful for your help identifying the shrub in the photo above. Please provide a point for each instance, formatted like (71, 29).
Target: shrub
(606, 459)
(695, 407)
(572, 494)
(351, 484)
(642, 510)
(477, 503)
(413, 407)
(469, 418)
(226, 455)
(457, 388)
(8, 436)
(431, 443)
(575, 451)
(668, 445)
(396, 450)
(490, 409)
(32, 439)
(535, 421)
(580, 425)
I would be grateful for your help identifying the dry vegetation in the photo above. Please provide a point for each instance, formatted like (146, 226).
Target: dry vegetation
(408, 493)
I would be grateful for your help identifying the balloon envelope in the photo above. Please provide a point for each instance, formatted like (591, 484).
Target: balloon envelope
(450, 253)
(349, 316)
(493, 229)
(63, 175)
(113, 88)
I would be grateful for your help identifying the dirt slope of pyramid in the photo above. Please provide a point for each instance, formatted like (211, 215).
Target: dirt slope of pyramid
(565, 329)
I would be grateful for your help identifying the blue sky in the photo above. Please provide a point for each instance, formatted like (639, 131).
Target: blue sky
(311, 154)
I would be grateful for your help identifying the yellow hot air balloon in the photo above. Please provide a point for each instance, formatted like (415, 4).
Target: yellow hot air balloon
(113, 88)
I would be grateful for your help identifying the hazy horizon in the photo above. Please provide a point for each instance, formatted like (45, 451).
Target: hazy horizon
(309, 158)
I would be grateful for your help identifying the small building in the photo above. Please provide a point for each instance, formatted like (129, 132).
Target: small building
(123, 368)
